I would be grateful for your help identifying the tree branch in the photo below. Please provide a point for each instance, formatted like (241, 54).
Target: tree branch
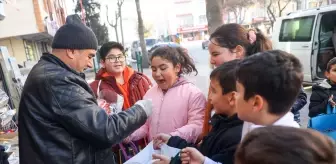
(281, 10)
(110, 22)
(120, 3)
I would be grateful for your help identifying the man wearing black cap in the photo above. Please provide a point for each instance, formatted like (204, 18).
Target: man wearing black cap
(59, 119)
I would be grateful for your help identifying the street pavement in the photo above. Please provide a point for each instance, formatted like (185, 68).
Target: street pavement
(201, 80)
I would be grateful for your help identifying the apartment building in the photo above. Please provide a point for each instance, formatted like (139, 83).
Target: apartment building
(191, 19)
(29, 27)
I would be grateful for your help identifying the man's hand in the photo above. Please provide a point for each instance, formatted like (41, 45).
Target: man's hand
(160, 139)
(161, 159)
(191, 155)
(146, 105)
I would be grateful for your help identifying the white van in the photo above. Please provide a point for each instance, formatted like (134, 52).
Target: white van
(309, 35)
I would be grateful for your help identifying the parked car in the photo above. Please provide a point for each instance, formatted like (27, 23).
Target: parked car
(205, 44)
(308, 34)
(150, 42)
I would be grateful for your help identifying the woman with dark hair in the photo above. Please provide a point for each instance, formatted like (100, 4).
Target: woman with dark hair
(229, 42)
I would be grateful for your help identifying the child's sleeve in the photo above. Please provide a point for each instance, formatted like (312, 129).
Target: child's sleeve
(140, 133)
(143, 131)
(193, 128)
(180, 143)
(318, 103)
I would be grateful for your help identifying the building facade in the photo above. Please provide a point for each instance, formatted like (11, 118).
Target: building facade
(191, 21)
(29, 27)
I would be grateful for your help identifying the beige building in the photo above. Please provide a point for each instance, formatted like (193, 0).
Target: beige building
(29, 26)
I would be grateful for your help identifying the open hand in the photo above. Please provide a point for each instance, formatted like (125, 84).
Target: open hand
(160, 139)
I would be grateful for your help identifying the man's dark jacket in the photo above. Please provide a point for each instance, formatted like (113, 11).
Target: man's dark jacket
(60, 122)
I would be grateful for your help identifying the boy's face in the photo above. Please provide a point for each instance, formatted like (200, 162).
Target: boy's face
(223, 104)
(247, 110)
(331, 75)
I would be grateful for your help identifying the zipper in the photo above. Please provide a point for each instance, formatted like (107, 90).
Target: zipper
(159, 115)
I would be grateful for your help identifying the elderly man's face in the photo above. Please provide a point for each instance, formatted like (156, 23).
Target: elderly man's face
(81, 59)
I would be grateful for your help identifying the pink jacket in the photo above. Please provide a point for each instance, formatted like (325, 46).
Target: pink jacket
(179, 112)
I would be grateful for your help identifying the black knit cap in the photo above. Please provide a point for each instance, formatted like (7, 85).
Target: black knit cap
(74, 35)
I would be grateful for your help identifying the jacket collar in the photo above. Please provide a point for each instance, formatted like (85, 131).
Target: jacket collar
(218, 121)
(55, 60)
(285, 120)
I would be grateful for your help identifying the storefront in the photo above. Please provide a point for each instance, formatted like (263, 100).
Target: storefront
(193, 33)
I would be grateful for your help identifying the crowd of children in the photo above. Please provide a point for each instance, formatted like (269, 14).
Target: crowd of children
(252, 112)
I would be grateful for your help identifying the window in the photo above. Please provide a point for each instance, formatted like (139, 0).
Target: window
(30, 50)
(202, 19)
(186, 20)
(297, 30)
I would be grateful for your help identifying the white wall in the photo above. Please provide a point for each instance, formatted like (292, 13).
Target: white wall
(20, 19)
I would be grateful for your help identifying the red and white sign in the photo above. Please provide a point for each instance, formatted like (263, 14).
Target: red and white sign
(192, 29)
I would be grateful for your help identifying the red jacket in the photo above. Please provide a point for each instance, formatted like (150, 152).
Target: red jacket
(138, 84)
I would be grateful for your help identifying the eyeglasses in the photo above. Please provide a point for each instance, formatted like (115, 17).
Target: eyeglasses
(116, 58)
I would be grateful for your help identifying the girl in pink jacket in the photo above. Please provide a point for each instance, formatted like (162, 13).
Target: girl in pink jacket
(178, 105)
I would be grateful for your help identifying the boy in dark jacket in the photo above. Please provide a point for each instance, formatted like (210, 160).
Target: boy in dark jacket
(221, 142)
(324, 93)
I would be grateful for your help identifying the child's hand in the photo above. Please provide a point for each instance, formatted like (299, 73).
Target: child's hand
(191, 155)
(331, 101)
(160, 159)
(160, 139)
(127, 140)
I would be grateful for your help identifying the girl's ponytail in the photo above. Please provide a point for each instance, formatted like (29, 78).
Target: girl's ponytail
(187, 63)
(260, 44)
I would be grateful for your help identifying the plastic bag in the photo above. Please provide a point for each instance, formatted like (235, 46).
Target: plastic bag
(3, 98)
(145, 155)
(109, 100)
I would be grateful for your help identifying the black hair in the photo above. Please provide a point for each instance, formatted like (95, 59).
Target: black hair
(225, 74)
(275, 75)
(176, 55)
(231, 35)
(285, 145)
(331, 63)
(106, 47)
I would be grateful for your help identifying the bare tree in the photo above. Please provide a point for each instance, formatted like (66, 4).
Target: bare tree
(145, 60)
(113, 23)
(275, 8)
(214, 14)
(238, 8)
(119, 4)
